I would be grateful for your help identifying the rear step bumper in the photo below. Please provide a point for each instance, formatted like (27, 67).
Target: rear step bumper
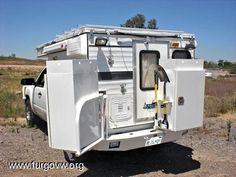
(137, 139)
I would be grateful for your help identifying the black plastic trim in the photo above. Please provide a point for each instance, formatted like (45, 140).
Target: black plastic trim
(120, 46)
(119, 75)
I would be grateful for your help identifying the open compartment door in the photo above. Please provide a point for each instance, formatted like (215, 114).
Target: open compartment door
(74, 105)
(90, 122)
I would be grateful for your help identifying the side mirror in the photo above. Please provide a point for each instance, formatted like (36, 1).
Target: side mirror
(27, 81)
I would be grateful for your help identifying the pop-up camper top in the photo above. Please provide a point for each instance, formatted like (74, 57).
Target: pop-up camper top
(115, 88)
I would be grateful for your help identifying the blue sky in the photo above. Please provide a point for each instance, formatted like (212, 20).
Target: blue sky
(25, 24)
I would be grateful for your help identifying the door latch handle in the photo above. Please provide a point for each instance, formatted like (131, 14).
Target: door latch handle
(39, 94)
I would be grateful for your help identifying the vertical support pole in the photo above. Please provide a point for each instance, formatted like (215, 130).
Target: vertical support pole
(165, 121)
(156, 92)
(164, 101)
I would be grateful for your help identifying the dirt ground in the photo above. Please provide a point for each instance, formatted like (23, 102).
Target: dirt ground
(202, 152)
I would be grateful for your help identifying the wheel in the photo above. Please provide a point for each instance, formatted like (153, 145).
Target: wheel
(70, 157)
(29, 115)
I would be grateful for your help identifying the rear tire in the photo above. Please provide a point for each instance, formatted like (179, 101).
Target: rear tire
(70, 157)
(29, 115)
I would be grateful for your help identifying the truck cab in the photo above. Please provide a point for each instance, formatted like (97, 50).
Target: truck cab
(34, 95)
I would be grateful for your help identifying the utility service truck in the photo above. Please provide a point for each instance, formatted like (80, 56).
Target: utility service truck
(115, 89)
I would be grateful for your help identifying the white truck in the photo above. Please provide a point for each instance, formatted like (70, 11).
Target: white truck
(115, 88)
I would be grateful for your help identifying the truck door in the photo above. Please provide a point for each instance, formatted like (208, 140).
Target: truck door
(39, 96)
(146, 56)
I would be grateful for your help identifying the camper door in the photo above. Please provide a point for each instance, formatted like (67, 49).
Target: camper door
(146, 57)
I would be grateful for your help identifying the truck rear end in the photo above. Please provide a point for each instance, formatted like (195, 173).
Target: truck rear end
(118, 89)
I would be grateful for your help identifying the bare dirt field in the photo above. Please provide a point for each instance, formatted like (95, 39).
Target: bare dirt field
(202, 152)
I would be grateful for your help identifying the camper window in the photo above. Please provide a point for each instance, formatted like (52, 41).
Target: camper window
(181, 54)
(148, 61)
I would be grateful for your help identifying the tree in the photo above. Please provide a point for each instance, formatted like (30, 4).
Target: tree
(152, 24)
(227, 64)
(138, 21)
(205, 64)
(13, 55)
(210, 64)
(221, 63)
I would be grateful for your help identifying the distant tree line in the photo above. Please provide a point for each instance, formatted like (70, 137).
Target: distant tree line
(221, 64)
(13, 55)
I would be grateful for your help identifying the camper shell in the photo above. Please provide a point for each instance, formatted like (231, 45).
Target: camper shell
(103, 94)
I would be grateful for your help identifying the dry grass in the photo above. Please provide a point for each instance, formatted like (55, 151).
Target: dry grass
(11, 103)
(13, 122)
(220, 96)
(222, 87)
